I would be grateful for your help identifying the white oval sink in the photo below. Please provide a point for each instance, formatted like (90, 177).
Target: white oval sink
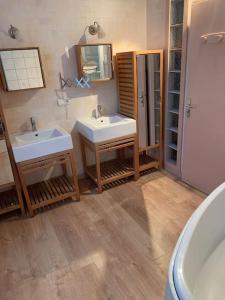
(106, 128)
(40, 143)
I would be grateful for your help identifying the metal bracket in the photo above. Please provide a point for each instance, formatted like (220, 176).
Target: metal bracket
(83, 82)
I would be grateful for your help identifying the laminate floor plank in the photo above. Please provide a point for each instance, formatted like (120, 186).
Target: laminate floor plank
(114, 245)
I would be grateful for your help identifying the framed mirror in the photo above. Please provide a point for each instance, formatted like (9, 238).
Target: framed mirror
(94, 61)
(21, 69)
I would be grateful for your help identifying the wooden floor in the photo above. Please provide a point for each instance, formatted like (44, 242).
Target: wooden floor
(114, 245)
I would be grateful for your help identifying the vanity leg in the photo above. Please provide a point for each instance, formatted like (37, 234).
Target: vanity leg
(64, 169)
(19, 193)
(26, 194)
(83, 153)
(98, 170)
(136, 159)
(74, 175)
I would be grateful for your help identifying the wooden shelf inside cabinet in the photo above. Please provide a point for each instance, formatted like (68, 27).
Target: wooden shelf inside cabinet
(147, 162)
(47, 192)
(9, 201)
(173, 129)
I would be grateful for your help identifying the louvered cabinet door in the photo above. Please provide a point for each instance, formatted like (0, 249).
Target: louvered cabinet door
(127, 83)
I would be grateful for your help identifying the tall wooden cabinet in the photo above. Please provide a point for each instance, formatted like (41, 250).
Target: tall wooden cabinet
(10, 189)
(140, 88)
(175, 90)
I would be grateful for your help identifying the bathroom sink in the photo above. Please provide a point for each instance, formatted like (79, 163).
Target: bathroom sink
(106, 128)
(40, 143)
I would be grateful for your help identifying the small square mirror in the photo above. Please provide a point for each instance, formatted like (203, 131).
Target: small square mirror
(21, 69)
(95, 61)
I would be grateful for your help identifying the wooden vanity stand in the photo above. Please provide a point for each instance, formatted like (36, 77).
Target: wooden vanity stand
(55, 189)
(10, 193)
(103, 173)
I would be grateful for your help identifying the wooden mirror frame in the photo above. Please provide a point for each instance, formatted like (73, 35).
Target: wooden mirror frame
(79, 64)
(3, 81)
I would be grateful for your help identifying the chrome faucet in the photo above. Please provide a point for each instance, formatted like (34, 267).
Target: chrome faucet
(98, 111)
(33, 124)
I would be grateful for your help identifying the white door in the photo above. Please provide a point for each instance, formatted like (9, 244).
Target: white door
(203, 154)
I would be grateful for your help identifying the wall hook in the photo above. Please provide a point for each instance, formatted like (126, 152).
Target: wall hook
(213, 38)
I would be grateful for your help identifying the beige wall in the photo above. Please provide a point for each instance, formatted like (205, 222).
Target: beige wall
(157, 24)
(55, 25)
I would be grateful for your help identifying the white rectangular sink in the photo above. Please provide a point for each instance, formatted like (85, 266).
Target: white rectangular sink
(106, 128)
(40, 143)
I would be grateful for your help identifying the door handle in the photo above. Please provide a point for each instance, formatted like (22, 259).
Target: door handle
(188, 108)
(141, 99)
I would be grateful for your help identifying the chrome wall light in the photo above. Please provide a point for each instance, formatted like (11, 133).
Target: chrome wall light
(94, 28)
(13, 32)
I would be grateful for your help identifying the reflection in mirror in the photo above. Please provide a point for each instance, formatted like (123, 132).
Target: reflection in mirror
(149, 95)
(95, 61)
(21, 69)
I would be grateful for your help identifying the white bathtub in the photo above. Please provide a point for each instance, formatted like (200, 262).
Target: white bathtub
(197, 266)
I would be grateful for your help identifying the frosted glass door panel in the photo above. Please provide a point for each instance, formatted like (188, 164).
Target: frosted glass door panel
(154, 97)
(176, 37)
(177, 10)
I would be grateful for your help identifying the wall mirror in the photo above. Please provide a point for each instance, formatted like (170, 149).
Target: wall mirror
(95, 61)
(21, 69)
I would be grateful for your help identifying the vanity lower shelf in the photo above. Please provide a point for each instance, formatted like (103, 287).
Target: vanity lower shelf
(112, 170)
(50, 191)
(55, 189)
(8, 201)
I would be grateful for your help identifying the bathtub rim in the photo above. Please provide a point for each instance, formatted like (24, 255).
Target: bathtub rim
(176, 267)
(171, 283)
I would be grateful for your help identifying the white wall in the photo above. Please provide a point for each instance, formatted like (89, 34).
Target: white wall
(157, 24)
(55, 25)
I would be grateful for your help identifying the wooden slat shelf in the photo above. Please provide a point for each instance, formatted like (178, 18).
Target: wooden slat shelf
(10, 193)
(103, 173)
(50, 191)
(146, 162)
(53, 190)
(8, 201)
(112, 170)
